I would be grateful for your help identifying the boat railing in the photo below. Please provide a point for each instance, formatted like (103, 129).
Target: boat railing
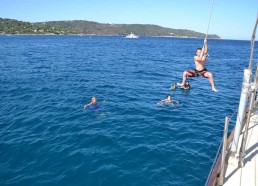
(248, 99)
(217, 170)
(253, 90)
(214, 168)
(216, 175)
(249, 91)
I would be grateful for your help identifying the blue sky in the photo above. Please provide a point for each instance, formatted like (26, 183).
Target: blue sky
(231, 19)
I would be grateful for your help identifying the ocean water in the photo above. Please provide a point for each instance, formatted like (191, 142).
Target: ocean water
(47, 138)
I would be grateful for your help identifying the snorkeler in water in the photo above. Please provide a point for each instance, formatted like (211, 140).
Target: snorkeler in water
(185, 87)
(173, 86)
(92, 104)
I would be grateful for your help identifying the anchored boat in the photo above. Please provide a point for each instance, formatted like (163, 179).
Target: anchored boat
(131, 36)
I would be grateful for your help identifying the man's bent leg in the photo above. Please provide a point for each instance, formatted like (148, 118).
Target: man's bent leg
(185, 74)
(210, 76)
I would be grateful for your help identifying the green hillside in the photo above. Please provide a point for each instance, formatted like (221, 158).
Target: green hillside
(11, 26)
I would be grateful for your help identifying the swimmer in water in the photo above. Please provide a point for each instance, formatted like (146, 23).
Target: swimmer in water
(173, 86)
(187, 86)
(168, 100)
(92, 104)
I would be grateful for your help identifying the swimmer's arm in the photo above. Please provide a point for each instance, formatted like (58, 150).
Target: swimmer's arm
(175, 101)
(85, 106)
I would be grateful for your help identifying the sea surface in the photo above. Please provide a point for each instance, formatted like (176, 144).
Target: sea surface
(47, 138)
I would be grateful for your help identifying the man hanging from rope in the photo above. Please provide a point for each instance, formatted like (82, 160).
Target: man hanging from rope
(200, 70)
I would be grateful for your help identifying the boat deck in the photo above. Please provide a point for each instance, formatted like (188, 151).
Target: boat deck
(248, 175)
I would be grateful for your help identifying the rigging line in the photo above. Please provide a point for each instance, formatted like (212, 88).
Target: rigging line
(212, 5)
(241, 124)
(233, 114)
(209, 19)
(233, 141)
(252, 44)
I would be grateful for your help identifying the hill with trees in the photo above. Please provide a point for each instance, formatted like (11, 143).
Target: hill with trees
(80, 27)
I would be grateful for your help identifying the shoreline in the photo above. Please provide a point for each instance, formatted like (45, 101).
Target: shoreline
(94, 35)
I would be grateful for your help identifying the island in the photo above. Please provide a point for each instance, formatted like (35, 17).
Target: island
(81, 27)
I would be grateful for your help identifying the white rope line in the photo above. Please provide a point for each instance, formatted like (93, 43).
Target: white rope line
(209, 22)
(233, 141)
(233, 114)
(209, 19)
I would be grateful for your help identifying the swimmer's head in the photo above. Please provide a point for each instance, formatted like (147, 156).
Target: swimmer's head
(93, 99)
(187, 83)
(169, 96)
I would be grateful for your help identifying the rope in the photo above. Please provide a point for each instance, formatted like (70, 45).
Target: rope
(209, 19)
(252, 44)
(233, 114)
(209, 22)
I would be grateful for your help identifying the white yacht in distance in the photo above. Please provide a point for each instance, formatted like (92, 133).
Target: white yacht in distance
(131, 36)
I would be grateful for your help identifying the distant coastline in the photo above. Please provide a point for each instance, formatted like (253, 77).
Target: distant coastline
(89, 28)
(92, 35)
